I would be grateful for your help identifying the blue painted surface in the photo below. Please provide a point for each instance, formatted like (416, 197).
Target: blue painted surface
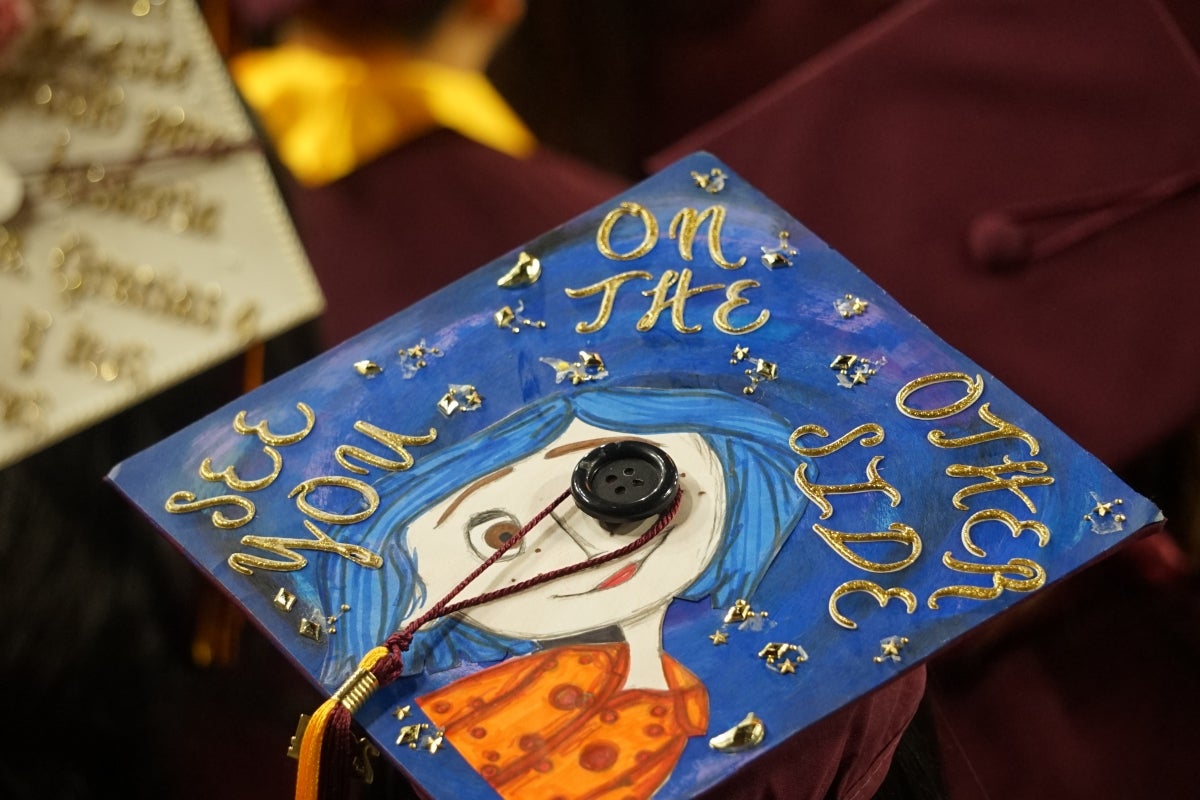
(803, 335)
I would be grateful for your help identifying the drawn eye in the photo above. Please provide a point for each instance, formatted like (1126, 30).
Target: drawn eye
(488, 531)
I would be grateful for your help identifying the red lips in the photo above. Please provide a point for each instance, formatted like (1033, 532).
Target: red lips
(620, 576)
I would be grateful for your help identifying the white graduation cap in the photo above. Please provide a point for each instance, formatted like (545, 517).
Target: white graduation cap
(142, 238)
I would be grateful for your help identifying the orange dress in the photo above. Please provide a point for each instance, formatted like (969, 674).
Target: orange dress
(558, 724)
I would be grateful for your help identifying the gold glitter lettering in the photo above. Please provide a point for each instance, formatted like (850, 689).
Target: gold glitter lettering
(1014, 526)
(1032, 577)
(874, 483)
(117, 190)
(291, 560)
(12, 261)
(34, 325)
(881, 595)
(89, 352)
(1002, 430)
(369, 495)
(734, 300)
(83, 271)
(994, 482)
(21, 409)
(974, 390)
(897, 532)
(687, 221)
(264, 434)
(874, 436)
(183, 502)
(660, 302)
(649, 236)
(609, 286)
(230, 477)
(398, 443)
(171, 129)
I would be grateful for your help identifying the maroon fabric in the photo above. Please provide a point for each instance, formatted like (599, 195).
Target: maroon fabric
(631, 76)
(691, 75)
(258, 16)
(425, 214)
(926, 147)
(893, 145)
(846, 755)
(1092, 692)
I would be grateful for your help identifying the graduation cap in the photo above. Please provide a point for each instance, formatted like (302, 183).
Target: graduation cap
(1062, 135)
(1022, 178)
(142, 238)
(630, 507)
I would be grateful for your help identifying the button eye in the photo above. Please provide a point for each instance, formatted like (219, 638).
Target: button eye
(623, 482)
(490, 530)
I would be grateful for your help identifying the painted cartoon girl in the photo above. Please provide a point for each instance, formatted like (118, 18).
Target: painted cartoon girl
(592, 704)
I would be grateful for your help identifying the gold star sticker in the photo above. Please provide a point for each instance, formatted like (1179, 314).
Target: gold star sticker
(718, 638)
(433, 743)
(787, 667)
(402, 712)
(890, 647)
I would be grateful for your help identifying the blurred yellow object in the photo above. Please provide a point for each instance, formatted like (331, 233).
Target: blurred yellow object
(328, 113)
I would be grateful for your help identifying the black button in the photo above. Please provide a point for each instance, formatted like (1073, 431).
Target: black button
(625, 482)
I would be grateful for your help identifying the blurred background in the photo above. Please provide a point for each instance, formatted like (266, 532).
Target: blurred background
(891, 127)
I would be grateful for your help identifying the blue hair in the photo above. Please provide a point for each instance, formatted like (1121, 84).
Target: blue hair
(762, 507)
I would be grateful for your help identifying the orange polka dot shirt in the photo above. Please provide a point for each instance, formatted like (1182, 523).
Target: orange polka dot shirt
(558, 724)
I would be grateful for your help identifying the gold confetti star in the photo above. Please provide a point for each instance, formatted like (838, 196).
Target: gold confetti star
(719, 638)
(434, 742)
(890, 648)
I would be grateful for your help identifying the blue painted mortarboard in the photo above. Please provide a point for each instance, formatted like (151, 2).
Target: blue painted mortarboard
(854, 494)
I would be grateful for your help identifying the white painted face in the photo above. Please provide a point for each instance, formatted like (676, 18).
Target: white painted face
(457, 534)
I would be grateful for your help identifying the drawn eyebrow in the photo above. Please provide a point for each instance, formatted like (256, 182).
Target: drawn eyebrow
(589, 444)
(479, 484)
